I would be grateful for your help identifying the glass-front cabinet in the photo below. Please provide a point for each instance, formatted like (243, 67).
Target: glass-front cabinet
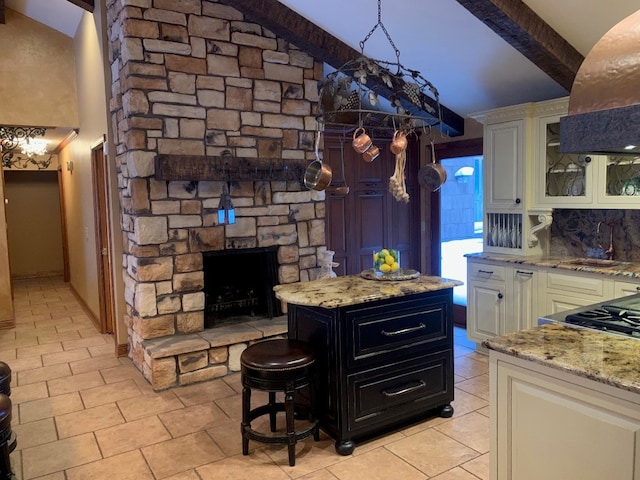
(563, 178)
(621, 185)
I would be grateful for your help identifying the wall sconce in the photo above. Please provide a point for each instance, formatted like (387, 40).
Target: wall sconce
(463, 174)
(226, 212)
(70, 166)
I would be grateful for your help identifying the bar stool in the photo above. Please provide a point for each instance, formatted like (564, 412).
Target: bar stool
(5, 388)
(274, 366)
(5, 436)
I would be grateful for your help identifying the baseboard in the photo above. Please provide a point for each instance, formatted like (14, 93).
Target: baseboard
(122, 349)
(85, 307)
(8, 323)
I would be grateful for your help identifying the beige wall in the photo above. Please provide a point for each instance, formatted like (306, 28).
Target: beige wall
(65, 63)
(33, 215)
(38, 74)
(37, 89)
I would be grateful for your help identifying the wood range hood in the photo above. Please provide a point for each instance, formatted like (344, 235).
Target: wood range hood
(604, 104)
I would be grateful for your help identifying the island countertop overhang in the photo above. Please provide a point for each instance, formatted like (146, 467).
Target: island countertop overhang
(354, 289)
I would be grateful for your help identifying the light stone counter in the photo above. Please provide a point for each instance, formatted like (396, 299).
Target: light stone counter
(606, 358)
(590, 265)
(353, 290)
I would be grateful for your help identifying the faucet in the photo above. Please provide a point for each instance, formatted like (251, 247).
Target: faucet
(609, 251)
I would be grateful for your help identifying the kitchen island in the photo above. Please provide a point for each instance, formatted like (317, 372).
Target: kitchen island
(564, 404)
(384, 350)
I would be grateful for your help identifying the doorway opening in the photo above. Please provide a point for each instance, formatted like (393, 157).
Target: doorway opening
(458, 216)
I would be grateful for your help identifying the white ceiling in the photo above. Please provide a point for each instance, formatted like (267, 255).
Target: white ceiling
(471, 66)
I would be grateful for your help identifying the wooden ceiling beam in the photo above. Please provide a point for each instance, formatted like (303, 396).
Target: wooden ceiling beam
(525, 31)
(323, 46)
(88, 5)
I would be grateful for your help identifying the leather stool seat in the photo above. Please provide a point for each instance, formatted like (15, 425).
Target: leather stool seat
(273, 366)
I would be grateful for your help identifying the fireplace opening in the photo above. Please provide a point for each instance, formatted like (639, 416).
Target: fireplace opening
(238, 285)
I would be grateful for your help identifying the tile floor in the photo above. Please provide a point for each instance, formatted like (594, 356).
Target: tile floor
(82, 413)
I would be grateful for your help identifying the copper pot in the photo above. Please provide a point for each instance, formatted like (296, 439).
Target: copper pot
(317, 176)
(433, 175)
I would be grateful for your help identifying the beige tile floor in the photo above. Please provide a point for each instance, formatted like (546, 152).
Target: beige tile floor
(82, 413)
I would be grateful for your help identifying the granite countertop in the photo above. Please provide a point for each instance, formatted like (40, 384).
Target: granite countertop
(590, 265)
(353, 289)
(604, 357)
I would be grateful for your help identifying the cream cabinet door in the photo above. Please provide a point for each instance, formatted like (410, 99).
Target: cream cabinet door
(524, 298)
(504, 156)
(548, 427)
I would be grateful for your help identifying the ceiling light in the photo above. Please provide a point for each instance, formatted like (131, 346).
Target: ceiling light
(12, 138)
(33, 146)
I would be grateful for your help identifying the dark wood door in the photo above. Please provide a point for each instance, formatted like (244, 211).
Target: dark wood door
(369, 218)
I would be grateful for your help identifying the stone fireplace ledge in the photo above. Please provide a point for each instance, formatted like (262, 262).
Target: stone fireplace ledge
(214, 352)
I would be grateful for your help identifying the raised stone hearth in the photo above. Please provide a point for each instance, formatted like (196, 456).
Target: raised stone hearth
(198, 88)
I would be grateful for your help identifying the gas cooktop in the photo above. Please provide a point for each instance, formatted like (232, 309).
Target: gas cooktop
(620, 316)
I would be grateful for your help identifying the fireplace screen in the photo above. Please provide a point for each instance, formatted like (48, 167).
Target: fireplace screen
(238, 285)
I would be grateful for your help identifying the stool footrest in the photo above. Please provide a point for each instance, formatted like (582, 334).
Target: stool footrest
(280, 438)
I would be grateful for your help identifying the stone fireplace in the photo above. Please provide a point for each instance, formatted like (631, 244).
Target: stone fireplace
(202, 99)
(238, 285)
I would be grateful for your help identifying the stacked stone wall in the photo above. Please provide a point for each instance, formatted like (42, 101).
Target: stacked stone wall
(193, 77)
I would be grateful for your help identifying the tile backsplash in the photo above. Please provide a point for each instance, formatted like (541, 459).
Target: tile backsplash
(575, 233)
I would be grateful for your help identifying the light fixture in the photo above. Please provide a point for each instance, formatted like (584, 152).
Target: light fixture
(226, 212)
(342, 104)
(33, 146)
(12, 138)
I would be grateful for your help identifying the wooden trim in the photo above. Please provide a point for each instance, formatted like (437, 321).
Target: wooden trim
(202, 167)
(85, 307)
(8, 323)
(525, 31)
(323, 46)
(88, 5)
(63, 221)
(122, 349)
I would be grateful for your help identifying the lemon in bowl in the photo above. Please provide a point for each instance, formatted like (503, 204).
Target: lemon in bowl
(386, 261)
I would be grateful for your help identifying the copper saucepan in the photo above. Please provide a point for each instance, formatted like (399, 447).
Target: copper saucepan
(433, 175)
(318, 175)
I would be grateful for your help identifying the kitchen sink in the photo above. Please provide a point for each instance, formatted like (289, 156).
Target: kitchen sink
(595, 262)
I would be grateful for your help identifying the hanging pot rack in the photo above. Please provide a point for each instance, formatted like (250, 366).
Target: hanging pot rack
(347, 102)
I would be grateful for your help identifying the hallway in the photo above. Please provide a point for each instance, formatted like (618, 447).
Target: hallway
(82, 413)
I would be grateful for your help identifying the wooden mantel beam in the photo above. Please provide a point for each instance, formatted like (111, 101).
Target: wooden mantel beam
(525, 31)
(323, 46)
(88, 5)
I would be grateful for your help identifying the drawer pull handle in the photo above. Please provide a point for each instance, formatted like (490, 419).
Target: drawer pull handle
(402, 391)
(521, 272)
(422, 326)
(488, 272)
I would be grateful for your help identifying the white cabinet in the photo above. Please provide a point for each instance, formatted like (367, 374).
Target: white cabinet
(548, 424)
(504, 145)
(565, 290)
(627, 287)
(619, 181)
(507, 192)
(501, 298)
(561, 179)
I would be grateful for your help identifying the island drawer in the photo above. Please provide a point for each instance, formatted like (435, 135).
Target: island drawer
(400, 389)
(396, 330)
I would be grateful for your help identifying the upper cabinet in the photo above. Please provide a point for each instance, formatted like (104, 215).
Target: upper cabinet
(561, 179)
(620, 181)
(504, 145)
(508, 134)
(565, 180)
